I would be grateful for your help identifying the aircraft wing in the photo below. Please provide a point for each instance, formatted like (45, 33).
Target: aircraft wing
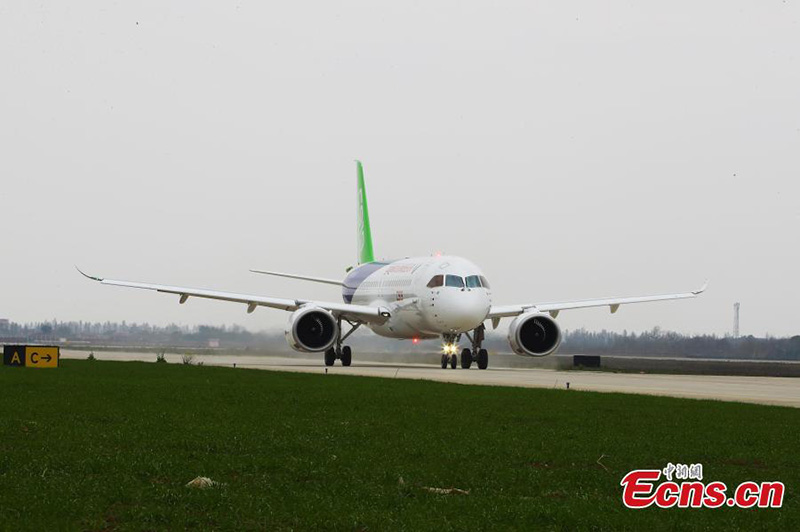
(362, 313)
(497, 312)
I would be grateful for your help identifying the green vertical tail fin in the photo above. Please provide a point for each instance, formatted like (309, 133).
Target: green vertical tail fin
(365, 253)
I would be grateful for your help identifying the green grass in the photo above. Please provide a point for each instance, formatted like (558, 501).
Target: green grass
(110, 445)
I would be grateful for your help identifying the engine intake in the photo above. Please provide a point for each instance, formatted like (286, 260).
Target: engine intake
(311, 329)
(534, 335)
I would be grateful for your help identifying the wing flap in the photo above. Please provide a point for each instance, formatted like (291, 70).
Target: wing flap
(301, 277)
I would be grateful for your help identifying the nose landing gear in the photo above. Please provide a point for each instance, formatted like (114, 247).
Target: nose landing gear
(450, 347)
(468, 356)
(449, 360)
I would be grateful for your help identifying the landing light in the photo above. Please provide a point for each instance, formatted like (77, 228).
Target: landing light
(449, 349)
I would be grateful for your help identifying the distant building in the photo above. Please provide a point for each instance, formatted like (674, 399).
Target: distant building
(4, 324)
(213, 342)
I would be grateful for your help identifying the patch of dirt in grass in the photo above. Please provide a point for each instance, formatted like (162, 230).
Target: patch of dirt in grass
(540, 465)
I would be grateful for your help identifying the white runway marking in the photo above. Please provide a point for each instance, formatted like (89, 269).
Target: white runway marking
(764, 390)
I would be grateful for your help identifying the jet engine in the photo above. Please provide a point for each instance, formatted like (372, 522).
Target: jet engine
(311, 329)
(534, 335)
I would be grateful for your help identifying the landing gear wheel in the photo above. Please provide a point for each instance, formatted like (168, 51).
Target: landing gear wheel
(453, 361)
(466, 358)
(347, 355)
(444, 361)
(330, 357)
(483, 359)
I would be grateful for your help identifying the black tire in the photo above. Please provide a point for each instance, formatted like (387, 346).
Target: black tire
(347, 355)
(483, 359)
(330, 357)
(453, 361)
(444, 361)
(466, 358)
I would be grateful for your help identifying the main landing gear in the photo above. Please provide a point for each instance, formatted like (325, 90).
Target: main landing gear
(338, 351)
(468, 356)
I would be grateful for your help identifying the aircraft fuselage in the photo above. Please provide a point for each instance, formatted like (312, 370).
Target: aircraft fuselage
(427, 296)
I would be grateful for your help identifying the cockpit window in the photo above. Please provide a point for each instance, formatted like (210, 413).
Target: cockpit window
(437, 280)
(484, 282)
(454, 280)
(473, 281)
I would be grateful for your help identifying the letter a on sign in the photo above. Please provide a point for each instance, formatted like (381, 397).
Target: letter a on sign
(14, 355)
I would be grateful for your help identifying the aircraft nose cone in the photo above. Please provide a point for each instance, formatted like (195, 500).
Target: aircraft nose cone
(465, 310)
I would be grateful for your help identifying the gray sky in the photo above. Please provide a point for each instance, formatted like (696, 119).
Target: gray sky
(570, 149)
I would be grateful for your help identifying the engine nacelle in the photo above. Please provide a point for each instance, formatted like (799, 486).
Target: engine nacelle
(311, 329)
(534, 335)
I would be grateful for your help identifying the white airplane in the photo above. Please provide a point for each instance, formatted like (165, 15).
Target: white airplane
(413, 298)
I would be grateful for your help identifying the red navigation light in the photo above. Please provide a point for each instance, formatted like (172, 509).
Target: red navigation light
(415, 340)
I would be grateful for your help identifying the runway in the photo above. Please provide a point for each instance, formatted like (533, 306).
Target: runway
(762, 390)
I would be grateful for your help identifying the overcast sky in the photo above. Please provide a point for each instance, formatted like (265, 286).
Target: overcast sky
(570, 149)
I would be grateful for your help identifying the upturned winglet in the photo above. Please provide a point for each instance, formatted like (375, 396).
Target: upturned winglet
(93, 278)
(701, 289)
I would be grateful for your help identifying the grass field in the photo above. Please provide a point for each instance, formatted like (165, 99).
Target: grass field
(111, 445)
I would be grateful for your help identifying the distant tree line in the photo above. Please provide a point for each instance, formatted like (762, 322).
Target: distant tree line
(134, 334)
(670, 344)
(650, 343)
